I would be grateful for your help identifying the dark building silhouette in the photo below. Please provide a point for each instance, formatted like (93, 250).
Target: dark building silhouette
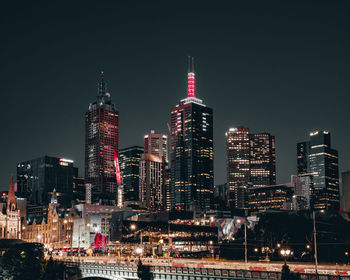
(319, 162)
(38, 177)
(129, 159)
(191, 152)
(101, 144)
(346, 191)
(251, 162)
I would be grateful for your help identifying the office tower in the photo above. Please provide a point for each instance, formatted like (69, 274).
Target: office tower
(262, 159)
(346, 191)
(129, 159)
(250, 162)
(238, 166)
(151, 193)
(166, 180)
(101, 143)
(38, 177)
(270, 197)
(156, 144)
(79, 189)
(318, 161)
(191, 151)
(301, 191)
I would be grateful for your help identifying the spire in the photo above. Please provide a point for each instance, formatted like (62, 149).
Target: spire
(54, 197)
(11, 198)
(190, 78)
(102, 85)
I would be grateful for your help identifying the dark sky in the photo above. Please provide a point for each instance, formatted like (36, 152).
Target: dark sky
(274, 66)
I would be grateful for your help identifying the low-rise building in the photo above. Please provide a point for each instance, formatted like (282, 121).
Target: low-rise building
(54, 230)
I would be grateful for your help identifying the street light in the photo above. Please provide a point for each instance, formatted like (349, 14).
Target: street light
(285, 269)
(285, 253)
(132, 226)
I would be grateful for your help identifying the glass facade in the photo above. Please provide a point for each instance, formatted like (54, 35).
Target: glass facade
(251, 162)
(101, 141)
(37, 178)
(129, 160)
(191, 153)
(318, 161)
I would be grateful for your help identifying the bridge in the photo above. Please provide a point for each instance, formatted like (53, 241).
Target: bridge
(160, 269)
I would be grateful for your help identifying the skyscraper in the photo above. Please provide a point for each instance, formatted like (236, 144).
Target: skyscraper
(151, 192)
(129, 159)
(250, 159)
(318, 161)
(156, 144)
(101, 144)
(38, 177)
(238, 165)
(191, 151)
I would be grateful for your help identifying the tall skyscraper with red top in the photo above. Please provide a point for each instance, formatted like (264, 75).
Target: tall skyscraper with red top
(101, 146)
(191, 151)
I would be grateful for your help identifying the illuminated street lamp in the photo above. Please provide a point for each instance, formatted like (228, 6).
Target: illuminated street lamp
(285, 253)
(132, 226)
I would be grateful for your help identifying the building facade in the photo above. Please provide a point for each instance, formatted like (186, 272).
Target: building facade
(191, 152)
(250, 162)
(55, 230)
(319, 162)
(151, 182)
(238, 166)
(101, 145)
(129, 159)
(38, 177)
(278, 197)
(10, 216)
(156, 144)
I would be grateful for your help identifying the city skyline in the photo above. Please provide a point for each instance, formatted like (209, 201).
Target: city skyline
(290, 84)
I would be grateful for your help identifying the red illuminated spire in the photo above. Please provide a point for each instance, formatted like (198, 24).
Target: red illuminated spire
(190, 78)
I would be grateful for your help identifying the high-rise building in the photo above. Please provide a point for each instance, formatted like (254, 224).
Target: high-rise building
(301, 191)
(191, 151)
(79, 189)
(151, 193)
(166, 179)
(270, 197)
(238, 166)
(251, 162)
(318, 161)
(156, 144)
(129, 159)
(101, 144)
(262, 159)
(346, 191)
(38, 177)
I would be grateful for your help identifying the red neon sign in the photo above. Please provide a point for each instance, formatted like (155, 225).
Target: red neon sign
(118, 176)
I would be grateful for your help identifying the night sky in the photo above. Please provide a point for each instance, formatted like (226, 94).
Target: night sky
(274, 66)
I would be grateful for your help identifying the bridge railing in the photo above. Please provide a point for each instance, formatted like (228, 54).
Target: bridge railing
(209, 272)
